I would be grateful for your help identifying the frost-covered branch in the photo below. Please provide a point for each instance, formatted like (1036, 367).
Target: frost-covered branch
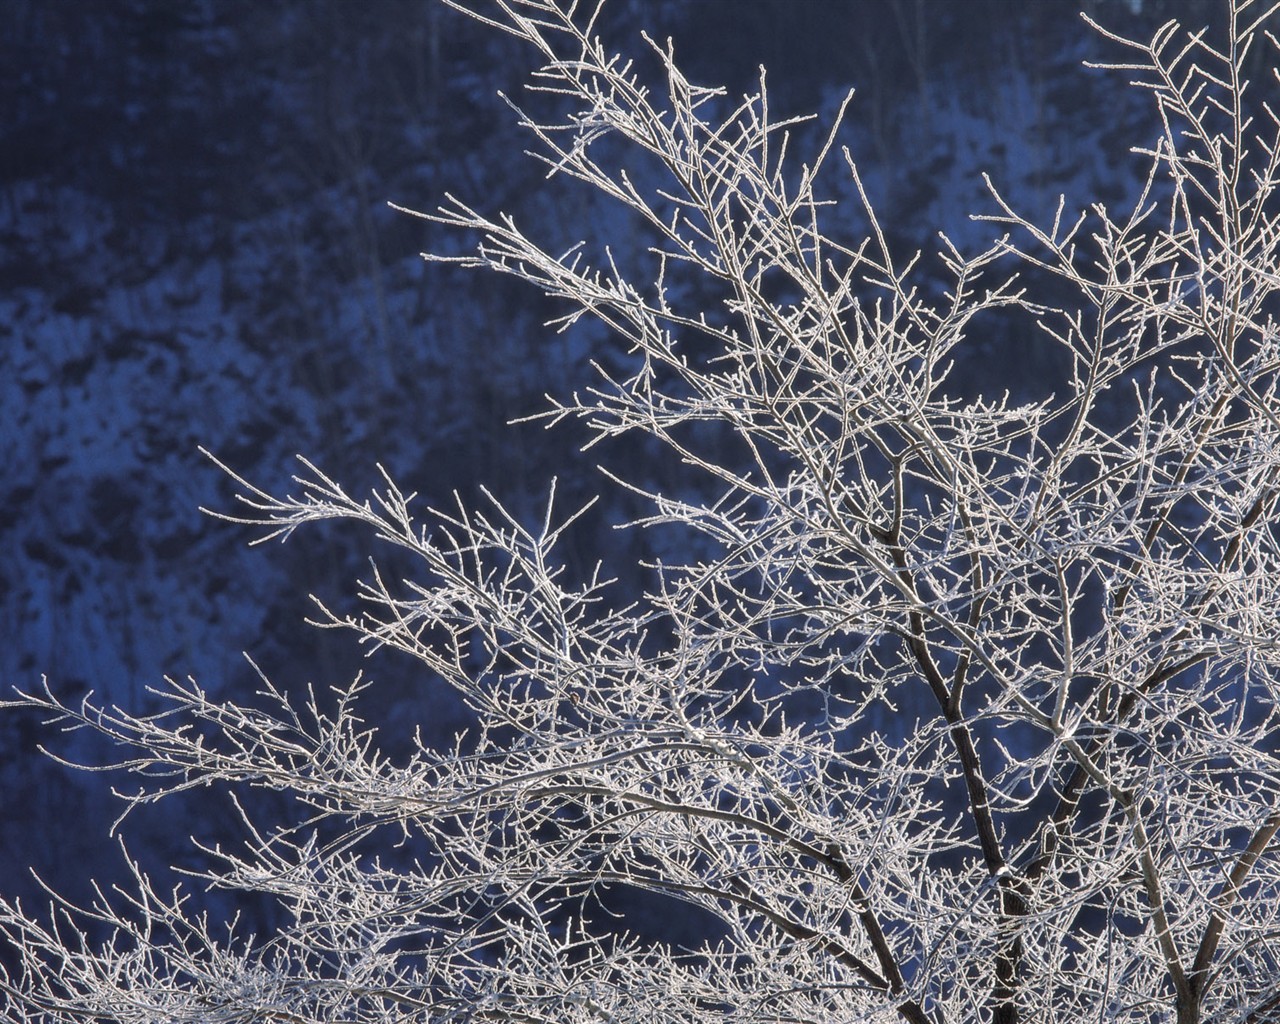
(965, 709)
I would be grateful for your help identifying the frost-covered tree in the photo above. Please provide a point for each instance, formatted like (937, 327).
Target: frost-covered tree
(960, 710)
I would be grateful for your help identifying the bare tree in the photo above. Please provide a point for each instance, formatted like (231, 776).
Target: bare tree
(968, 710)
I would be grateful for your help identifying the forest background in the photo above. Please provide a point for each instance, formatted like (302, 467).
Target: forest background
(195, 249)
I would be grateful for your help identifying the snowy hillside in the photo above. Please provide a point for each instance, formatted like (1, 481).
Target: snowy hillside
(196, 251)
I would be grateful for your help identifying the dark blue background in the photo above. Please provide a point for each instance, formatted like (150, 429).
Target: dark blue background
(195, 249)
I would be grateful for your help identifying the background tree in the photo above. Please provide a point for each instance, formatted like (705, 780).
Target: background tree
(1081, 593)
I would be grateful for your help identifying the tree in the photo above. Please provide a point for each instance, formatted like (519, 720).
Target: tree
(964, 710)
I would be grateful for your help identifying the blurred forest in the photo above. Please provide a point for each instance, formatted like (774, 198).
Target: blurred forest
(196, 249)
